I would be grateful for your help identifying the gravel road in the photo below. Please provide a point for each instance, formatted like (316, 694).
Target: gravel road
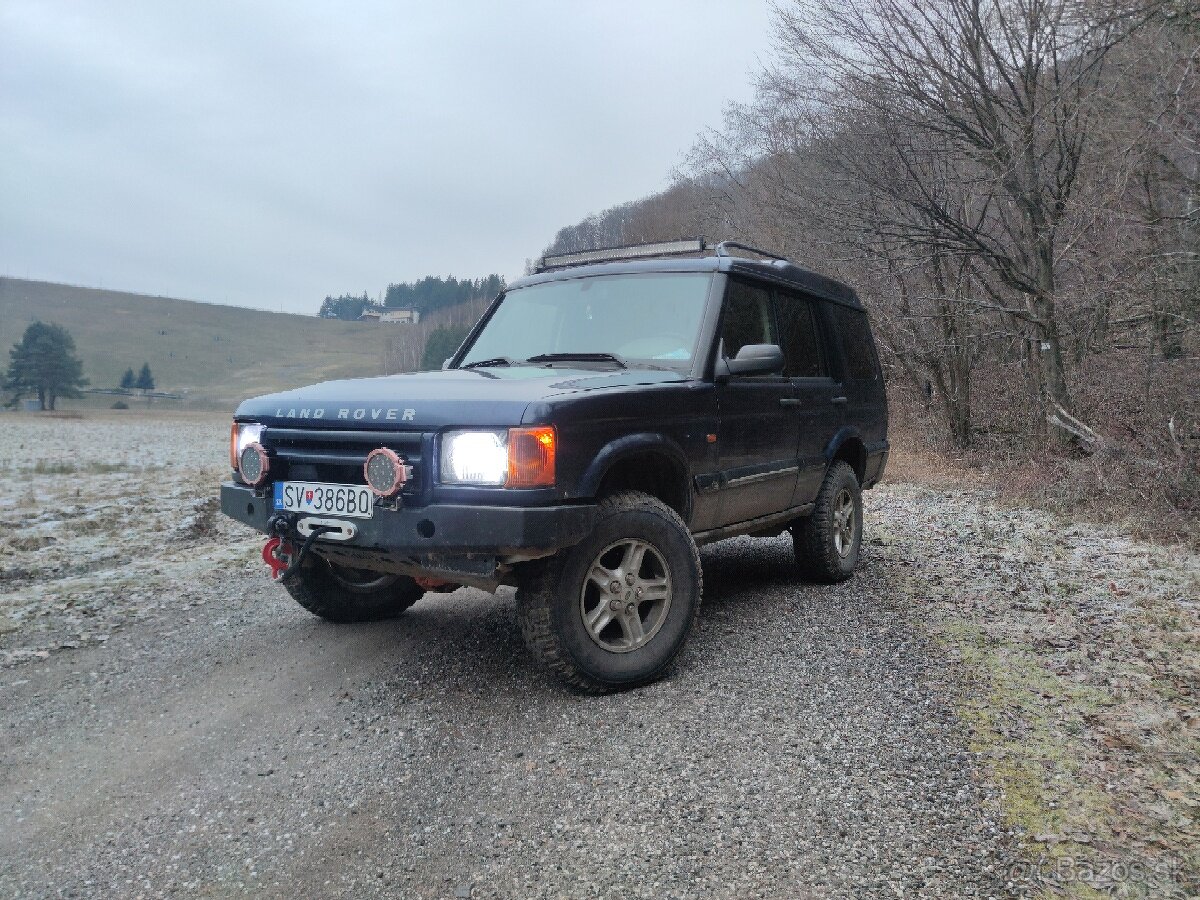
(221, 741)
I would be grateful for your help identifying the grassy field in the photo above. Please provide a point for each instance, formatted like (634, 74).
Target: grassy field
(215, 355)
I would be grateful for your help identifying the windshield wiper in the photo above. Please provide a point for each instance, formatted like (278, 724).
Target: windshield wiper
(490, 363)
(578, 357)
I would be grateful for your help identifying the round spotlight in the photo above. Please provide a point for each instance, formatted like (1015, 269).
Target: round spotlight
(254, 464)
(385, 472)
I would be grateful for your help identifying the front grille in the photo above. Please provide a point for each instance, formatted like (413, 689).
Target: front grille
(300, 454)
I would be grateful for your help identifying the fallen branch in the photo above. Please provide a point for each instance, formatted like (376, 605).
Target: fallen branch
(1089, 442)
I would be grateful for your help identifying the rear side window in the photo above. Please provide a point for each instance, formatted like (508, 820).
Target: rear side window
(857, 345)
(801, 341)
(747, 318)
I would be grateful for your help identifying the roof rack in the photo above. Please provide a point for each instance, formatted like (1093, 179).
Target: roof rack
(721, 251)
(642, 251)
(613, 254)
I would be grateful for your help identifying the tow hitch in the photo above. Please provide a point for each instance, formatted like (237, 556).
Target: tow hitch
(280, 554)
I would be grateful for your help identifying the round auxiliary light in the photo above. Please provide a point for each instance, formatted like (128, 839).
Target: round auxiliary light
(384, 471)
(254, 464)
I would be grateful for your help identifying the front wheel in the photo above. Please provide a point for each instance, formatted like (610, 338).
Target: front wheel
(614, 611)
(827, 542)
(341, 594)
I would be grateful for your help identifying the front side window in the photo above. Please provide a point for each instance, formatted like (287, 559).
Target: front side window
(650, 318)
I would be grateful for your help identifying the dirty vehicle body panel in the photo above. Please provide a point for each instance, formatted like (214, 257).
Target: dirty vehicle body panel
(668, 414)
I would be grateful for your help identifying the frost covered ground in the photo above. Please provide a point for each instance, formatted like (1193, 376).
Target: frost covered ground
(105, 518)
(1066, 655)
(1077, 653)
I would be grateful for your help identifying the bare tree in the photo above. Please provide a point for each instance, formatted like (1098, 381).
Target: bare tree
(988, 99)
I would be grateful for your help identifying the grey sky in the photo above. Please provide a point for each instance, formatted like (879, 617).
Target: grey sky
(269, 154)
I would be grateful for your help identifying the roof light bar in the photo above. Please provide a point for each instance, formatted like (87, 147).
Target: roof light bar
(609, 254)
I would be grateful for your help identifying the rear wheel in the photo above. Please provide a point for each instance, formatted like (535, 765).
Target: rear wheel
(827, 542)
(341, 594)
(614, 611)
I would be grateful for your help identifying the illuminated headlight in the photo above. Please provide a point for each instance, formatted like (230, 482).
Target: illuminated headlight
(241, 435)
(475, 457)
(254, 464)
(516, 458)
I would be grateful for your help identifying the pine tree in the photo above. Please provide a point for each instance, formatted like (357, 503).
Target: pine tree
(145, 380)
(44, 362)
(128, 380)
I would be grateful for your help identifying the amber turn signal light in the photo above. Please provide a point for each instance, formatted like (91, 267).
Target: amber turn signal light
(233, 445)
(531, 457)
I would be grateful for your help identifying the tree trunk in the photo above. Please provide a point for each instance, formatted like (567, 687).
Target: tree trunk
(1047, 356)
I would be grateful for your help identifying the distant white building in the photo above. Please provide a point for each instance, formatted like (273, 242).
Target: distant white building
(401, 316)
(392, 316)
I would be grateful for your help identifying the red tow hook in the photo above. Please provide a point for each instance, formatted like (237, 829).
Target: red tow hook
(278, 554)
(433, 584)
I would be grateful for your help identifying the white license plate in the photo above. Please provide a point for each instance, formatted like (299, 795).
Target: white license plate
(352, 500)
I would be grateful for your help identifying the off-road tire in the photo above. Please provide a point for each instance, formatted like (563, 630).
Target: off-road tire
(333, 595)
(549, 604)
(815, 538)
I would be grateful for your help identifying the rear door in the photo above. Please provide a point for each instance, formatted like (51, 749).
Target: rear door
(814, 404)
(866, 406)
(759, 428)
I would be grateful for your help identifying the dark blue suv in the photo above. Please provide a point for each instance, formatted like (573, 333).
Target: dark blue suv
(605, 416)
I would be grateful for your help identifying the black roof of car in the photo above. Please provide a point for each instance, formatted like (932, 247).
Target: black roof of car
(777, 271)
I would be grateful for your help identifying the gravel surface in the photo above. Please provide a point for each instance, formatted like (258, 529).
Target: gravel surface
(235, 743)
(171, 724)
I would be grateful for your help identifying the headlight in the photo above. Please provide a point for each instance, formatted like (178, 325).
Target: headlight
(242, 435)
(516, 458)
(475, 457)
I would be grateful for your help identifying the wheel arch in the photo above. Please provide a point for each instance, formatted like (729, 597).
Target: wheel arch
(648, 462)
(848, 446)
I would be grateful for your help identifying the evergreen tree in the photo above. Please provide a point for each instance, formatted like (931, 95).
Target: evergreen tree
(346, 307)
(145, 380)
(44, 362)
(128, 380)
(441, 344)
(432, 293)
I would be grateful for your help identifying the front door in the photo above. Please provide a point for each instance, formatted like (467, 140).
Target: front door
(759, 428)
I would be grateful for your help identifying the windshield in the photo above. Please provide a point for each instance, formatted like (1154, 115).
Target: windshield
(647, 319)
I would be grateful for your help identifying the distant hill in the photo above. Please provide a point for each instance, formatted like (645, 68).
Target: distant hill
(214, 355)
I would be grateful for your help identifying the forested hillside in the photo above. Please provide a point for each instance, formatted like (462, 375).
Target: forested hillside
(431, 293)
(426, 295)
(426, 344)
(1014, 189)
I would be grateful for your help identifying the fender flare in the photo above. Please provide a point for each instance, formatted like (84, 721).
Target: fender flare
(844, 434)
(633, 445)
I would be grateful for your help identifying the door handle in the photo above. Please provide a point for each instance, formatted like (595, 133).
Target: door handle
(838, 401)
(788, 401)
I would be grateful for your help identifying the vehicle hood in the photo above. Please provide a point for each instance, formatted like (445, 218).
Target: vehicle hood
(427, 401)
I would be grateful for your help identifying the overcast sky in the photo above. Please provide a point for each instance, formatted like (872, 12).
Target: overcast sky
(268, 154)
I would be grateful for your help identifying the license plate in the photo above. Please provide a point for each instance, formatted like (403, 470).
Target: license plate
(352, 500)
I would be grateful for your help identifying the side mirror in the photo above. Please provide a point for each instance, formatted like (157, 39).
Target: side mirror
(757, 359)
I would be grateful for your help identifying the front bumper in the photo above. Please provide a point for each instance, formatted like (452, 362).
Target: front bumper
(438, 528)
